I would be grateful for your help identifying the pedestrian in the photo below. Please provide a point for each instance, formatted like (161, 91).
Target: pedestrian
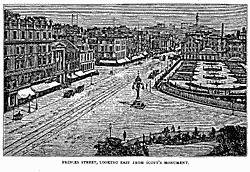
(124, 135)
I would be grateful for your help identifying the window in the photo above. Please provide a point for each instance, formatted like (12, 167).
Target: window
(39, 60)
(23, 35)
(22, 62)
(5, 64)
(17, 50)
(5, 35)
(44, 49)
(49, 48)
(49, 34)
(5, 50)
(49, 59)
(14, 34)
(11, 50)
(12, 99)
(31, 49)
(44, 35)
(37, 35)
(111, 48)
(44, 60)
(38, 48)
(30, 35)
(102, 48)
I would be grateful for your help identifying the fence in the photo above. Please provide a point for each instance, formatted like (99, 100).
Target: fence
(166, 88)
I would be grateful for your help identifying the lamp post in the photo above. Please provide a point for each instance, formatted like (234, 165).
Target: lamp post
(13, 110)
(36, 101)
(232, 107)
(29, 103)
(91, 83)
(137, 85)
(110, 127)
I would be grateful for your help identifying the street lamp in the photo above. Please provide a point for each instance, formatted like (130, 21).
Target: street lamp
(110, 127)
(13, 110)
(36, 101)
(137, 85)
(91, 83)
(233, 107)
(29, 103)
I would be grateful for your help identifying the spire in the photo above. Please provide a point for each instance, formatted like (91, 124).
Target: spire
(197, 19)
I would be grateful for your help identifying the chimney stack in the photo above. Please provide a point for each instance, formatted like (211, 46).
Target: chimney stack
(222, 30)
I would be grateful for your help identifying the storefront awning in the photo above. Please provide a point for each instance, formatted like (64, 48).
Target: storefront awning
(127, 59)
(71, 76)
(136, 57)
(141, 55)
(40, 87)
(53, 84)
(121, 61)
(108, 61)
(24, 93)
(44, 86)
(79, 73)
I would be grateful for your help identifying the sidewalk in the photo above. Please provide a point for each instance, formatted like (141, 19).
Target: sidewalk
(51, 98)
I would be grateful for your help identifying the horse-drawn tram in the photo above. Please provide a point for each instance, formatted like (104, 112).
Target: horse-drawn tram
(17, 116)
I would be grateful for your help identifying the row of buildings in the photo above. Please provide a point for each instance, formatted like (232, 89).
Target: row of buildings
(40, 56)
(204, 43)
(38, 51)
(37, 60)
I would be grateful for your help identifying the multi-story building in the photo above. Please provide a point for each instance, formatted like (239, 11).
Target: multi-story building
(81, 60)
(87, 58)
(112, 50)
(236, 45)
(28, 59)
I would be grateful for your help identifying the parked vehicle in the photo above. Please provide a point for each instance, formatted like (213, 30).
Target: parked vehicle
(138, 63)
(18, 116)
(79, 89)
(68, 93)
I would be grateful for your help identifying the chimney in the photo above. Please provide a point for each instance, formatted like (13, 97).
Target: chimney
(222, 30)
(197, 19)
(77, 19)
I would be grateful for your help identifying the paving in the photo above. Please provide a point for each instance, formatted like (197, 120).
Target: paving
(161, 110)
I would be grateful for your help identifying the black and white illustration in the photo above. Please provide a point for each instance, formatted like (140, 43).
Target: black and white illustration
(157, 80)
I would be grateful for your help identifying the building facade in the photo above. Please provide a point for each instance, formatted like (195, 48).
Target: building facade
(27, 55)
(112, 49)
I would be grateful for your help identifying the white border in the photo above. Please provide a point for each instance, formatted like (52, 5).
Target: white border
(42, 164)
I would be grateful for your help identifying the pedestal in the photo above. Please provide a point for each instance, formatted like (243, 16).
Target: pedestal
(138, 104)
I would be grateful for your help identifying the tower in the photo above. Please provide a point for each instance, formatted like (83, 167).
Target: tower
(197, 19)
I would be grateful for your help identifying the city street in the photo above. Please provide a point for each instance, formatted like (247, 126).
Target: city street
(71, 127)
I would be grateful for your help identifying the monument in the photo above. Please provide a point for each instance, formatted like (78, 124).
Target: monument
(137, 85)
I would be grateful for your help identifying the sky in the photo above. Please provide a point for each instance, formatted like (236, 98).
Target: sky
(234, 16)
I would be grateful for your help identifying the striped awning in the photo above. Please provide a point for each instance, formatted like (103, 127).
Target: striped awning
(71, 76)
(24, 93)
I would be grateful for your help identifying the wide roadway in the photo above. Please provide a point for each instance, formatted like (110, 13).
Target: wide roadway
(79, 138)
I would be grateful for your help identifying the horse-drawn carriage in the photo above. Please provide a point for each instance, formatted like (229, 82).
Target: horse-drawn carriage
(18, 116)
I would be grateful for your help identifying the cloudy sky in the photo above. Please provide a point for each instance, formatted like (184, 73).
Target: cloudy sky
(234, 16)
